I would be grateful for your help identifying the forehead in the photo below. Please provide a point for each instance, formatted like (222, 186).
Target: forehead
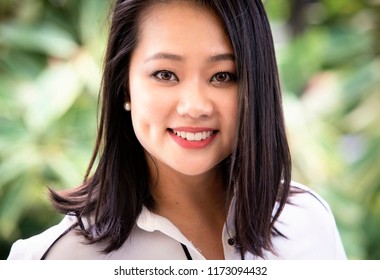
(180, 23)
(157, 7)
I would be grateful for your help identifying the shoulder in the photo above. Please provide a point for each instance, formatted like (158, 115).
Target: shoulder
(309, 227)
(34, 247)
(305, 201)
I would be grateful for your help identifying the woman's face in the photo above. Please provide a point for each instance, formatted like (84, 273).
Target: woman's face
(183, 88)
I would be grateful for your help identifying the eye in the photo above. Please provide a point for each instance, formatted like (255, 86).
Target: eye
(164, 75)
(223, 77)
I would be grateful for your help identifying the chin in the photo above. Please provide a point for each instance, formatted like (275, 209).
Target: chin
(194, 170)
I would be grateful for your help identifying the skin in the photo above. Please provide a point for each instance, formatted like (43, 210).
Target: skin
(182, 78)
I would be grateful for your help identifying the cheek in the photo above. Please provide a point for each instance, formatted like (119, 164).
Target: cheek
(230, 119)
(149, 110)
(142, 100)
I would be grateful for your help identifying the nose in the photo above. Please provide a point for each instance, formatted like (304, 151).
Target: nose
(195, 101)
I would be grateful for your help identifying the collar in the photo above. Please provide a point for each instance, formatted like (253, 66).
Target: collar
(149, 221)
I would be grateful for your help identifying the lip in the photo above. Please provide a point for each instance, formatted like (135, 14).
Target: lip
(193, 144)
(193, 129)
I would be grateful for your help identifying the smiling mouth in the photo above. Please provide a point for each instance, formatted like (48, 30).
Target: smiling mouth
(194, 136)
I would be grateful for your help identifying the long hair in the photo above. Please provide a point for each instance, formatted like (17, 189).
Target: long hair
(259, 169)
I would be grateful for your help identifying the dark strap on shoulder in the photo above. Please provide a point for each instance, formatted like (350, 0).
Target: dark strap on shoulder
(80, 224)
(187, 253)
(59, 237)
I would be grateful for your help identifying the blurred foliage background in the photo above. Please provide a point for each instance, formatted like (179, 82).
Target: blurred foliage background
(329, 60)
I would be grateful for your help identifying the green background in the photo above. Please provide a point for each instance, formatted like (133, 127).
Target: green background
(328, 55)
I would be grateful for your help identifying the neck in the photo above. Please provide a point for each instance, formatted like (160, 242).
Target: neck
(179, 192)
(195, 204)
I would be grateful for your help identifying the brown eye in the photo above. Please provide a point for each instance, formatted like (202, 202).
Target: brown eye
(223, 77)
(165, 75)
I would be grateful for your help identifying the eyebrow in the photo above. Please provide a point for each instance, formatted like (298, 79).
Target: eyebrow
(175, 57)
(164, 55)
(221, 57)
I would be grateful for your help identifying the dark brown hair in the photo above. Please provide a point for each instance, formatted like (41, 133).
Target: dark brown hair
(259, 169)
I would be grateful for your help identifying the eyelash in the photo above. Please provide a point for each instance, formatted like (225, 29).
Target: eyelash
(157, 72)
(230, 79)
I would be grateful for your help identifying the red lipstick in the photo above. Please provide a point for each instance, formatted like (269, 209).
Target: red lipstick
(193, 137)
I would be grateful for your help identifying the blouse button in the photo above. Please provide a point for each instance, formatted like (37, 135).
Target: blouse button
(231, 241)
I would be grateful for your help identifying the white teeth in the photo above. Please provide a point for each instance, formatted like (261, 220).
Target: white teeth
(198, 136)
(190, 136)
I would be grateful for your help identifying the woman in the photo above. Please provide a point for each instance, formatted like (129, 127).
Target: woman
(193, 157)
